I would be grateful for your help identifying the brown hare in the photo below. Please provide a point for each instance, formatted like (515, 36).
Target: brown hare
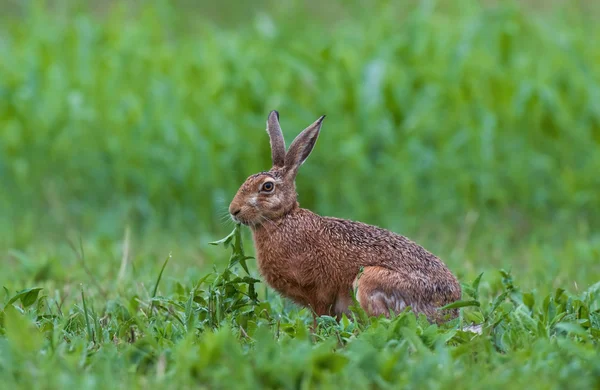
(317, 261)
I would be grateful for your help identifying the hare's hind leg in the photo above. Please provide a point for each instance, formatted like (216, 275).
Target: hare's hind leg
(381, 291)
(377, 293)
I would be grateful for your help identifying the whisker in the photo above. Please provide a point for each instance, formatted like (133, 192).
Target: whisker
(268, 221)
(228, 223)
(224, 212)
(263, 220)
(224, 218)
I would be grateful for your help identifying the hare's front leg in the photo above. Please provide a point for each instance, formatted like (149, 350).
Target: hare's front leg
(381, 291)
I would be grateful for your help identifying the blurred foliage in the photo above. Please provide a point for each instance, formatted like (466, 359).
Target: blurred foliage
(141, 116)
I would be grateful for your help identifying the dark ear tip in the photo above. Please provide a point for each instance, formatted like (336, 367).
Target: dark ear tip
(322, 118)
(274, 112)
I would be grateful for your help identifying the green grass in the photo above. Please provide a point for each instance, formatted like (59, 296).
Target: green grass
(216, 332)
(125, 131)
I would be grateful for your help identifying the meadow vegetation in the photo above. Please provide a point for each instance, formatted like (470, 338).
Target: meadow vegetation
(126, 129)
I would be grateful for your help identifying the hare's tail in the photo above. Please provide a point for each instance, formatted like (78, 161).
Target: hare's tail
(473, 328)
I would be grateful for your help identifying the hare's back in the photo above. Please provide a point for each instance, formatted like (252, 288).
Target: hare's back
(372, 245)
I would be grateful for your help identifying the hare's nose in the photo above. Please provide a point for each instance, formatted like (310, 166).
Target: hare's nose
(235, 212)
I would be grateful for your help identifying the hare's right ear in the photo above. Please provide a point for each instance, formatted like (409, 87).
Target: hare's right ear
(301, 147)
(277, 141)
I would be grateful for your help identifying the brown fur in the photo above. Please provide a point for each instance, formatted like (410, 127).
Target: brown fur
(316, 261)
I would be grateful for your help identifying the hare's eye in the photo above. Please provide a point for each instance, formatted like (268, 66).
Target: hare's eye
(267, 186)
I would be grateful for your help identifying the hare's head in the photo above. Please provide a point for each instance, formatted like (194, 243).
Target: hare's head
(268, 196)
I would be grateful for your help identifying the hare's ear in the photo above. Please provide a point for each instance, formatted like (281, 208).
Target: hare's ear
(301, 147)
(277, 141)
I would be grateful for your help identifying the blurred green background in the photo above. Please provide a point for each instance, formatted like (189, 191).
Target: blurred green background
(471, 127)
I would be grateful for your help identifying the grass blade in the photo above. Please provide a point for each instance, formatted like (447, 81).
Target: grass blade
(158, 281)
(87, 320)
(458, 304)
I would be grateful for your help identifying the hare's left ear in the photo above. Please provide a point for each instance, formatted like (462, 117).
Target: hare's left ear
(301, 147)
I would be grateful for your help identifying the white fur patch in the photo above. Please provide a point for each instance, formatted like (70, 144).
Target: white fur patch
(253, 201)
(477, 329)
(393, 301)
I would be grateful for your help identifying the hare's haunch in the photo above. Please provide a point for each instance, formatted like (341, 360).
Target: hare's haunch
(317, 261)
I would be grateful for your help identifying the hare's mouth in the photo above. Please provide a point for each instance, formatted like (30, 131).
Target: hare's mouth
(247, 222)
(238, 219)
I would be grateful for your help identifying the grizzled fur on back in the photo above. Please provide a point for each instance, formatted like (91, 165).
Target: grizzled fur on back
(317, 261)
